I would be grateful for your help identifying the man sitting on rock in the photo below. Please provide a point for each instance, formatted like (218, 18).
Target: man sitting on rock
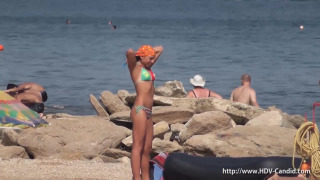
(245, 94)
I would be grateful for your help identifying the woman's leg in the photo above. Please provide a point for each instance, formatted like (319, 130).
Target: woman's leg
(139, 129)
(147, 150)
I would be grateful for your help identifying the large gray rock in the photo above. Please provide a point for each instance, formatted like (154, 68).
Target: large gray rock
(270, 118)
(9, 152)
(162, 100)
(243, 141)
(86, 135)
(127, 131)
(185, 102)
(18, 130)
(168, 114)
(171, 89)
(97, 106)
(122, 94)
(127, 141)
(157, 100)
(168, 136)
(159, 145)
(160, 128)
(211, 104)
(115, 153)
(112, 102)
(177, 127)
(123, 116)
(212, 121)
(294, 120)
(240, 113)
(171, 114)
(9, 137)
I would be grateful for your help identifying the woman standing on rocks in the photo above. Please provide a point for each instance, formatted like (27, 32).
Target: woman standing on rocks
(139, 64)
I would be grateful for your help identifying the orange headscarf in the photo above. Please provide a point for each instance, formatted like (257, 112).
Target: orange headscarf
(146, 50)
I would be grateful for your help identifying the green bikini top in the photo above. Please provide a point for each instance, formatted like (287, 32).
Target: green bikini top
(146, 75)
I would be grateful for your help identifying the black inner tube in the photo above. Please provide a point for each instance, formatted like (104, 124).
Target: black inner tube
(179, 166)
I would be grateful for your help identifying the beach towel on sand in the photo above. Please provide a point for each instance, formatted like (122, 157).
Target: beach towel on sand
(157, 166)
(15, 114)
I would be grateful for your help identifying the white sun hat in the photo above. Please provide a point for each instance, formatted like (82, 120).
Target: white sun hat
(198, 80)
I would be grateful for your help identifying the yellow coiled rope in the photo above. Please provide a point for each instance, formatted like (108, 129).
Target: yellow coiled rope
(306, 143)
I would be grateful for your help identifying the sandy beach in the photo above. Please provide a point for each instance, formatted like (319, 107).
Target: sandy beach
(62, 169)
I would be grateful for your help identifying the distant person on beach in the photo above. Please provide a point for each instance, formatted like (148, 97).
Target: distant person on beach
(114, 27)
(31, 98)
(199, 91)
(28, 87)
(139, 64)
(244, 93)
(68, 21)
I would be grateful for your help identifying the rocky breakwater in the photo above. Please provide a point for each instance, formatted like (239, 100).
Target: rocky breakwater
(205, 127)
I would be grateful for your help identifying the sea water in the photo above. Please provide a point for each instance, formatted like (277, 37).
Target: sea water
(220, 40)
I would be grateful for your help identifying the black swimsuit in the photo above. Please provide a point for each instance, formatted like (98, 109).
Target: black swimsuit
(196, 95)
(37, 107)
(44, 96)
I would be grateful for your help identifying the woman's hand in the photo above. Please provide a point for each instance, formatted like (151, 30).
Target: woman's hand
(158, 49)
(130, 51)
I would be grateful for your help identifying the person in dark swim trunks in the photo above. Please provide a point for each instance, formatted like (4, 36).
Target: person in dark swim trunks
(44, 96)
(30, 94)
(139, 64)
(199, 91)
(37, 107)
(32, 100)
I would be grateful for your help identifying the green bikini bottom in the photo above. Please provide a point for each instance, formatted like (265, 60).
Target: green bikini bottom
(147, 110)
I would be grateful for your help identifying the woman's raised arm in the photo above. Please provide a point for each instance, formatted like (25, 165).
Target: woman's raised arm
(131, 59)
(158, 50)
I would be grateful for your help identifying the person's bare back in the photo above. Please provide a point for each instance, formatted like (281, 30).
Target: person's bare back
(29, 97)
(245, 94)
(25, 87)
(242, 94)
(29, 86)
